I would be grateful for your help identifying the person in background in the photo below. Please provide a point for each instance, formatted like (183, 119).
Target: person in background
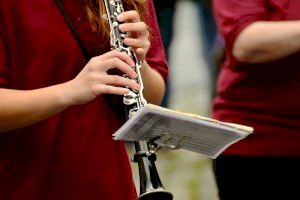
(258, 86)
(207, 27)
(212, 43)
(61, 97)
(165, 10)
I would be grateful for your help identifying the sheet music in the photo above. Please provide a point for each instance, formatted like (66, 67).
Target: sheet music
(179, 130)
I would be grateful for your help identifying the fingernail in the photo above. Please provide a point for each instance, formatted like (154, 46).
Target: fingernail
(134, 77)
(119, 17)
(104, 16)
(137, 87)
(121, 27)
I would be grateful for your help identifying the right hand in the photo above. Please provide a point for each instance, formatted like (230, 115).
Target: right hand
(94, 80)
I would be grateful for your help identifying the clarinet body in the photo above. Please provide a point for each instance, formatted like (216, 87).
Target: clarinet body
(151, 187)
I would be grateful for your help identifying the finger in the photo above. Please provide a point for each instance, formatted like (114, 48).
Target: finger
(115, 80)
(140, 52)
(131, 16)
(112, 54)
(134, 27)
(104, 16)
(119, 64)
(135, 43)
(108, 89)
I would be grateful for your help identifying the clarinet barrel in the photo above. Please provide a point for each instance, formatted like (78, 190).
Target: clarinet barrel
(151, 187)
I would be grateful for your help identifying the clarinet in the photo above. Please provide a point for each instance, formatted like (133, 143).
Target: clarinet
(151, 187)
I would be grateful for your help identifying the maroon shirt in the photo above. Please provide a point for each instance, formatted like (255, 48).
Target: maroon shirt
(71, 155)
(265, 96)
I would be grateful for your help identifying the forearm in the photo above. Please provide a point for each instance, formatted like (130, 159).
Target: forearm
(23, 108)
(266, 41)
(154, 85)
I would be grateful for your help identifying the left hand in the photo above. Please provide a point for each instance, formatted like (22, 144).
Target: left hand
(138, 34)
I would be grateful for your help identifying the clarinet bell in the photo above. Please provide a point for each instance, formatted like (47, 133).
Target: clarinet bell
(156, 195)
(151, 187)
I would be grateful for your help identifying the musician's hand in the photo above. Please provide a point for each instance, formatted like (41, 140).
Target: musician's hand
(138, 35)
(94, 80)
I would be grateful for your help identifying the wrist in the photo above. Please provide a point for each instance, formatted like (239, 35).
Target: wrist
(145, 68)
(64, 95)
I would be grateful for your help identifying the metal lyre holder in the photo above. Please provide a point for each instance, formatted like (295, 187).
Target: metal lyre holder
(151, 187)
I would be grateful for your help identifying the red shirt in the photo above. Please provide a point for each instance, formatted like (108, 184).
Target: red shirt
(265, 96)
(71, 155)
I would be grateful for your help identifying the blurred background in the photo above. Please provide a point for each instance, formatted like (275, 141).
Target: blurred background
(186, 174)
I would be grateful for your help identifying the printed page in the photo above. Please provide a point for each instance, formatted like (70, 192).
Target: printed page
(178, 130)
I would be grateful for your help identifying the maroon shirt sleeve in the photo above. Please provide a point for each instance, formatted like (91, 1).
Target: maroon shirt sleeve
(156, 57)
(232, 16)
(3, 65)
